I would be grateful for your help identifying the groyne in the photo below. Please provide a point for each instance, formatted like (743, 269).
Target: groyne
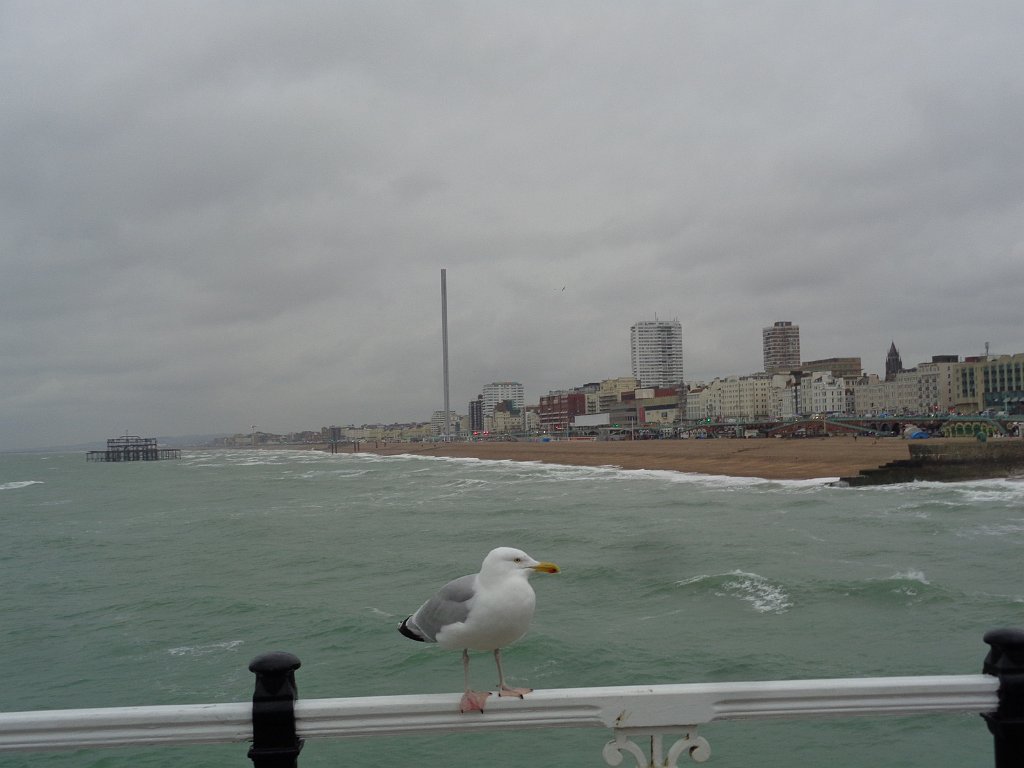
(949, 461)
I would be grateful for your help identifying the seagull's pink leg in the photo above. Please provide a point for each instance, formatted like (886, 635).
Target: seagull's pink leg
(472, 701)
(504, 690)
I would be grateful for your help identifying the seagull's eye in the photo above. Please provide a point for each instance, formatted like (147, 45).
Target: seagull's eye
(518, 560)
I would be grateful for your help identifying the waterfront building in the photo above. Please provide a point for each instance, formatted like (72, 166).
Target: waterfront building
(927, 388)
(658, 408)
(507, 418)
(944, 387)
(609, 392)
(437, 423)
(656, 352)
(695, 403)
(476, 414)
(788, 394)
(991, 384)
(531, 419)
(872, 395)
(735, 397)
(847, 368)
(781, 347)
(557, 409)
(823, 393)
(332, 434)
(500, 391)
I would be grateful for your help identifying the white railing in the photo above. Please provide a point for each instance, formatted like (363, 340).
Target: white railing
(629, 712)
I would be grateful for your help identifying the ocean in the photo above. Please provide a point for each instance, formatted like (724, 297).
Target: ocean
(157, 583)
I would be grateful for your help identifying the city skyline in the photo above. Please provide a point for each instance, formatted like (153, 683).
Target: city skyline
(213, 219)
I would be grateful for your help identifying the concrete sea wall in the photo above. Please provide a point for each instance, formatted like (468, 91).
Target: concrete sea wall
(949, 462)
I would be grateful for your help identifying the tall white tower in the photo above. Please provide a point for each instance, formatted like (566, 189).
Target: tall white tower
(656, 348)
(444, 353)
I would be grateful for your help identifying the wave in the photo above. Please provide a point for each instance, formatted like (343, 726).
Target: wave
(613, 472)
(910, 575)
(1007, 528)
(203, 650)
(768, 596)
(762, 594)
(993, 489)
(19, 484)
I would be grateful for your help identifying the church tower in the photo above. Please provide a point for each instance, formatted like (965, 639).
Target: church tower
(893, 363)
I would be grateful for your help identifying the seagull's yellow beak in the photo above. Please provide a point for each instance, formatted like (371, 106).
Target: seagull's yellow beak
(546, 568)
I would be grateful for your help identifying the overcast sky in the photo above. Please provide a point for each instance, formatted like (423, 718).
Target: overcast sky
(220, 214)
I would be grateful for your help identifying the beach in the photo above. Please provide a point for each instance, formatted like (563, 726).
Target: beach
(768, 458)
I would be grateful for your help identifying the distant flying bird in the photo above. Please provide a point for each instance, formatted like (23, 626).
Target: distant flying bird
(481, 612)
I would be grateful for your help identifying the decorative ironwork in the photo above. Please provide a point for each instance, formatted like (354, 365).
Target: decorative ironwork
(689, 743)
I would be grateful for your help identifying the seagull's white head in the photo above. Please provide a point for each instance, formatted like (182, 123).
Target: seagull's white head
(506, 560)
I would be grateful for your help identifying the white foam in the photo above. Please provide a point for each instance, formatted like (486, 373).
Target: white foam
(693, 580)
(573, 471)
(19, 484)
(910, 575)
(762, 595)
(203, 650)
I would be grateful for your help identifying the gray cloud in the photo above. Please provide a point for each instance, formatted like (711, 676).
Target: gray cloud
(219, 215)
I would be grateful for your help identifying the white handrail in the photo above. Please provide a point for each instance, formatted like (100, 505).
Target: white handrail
(626, 708)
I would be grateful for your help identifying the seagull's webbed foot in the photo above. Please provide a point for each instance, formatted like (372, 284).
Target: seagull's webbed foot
(503, 689)
(473, 701)
(508, 691)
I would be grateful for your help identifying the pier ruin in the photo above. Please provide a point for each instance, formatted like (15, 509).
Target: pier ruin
(133, 448)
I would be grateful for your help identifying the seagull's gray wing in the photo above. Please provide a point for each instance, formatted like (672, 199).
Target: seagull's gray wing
(449, 606)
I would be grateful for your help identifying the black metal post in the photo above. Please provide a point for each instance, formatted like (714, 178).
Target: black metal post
(274, 743)
(1005, 660)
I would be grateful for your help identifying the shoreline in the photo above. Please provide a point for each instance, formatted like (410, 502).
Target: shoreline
(765, 458)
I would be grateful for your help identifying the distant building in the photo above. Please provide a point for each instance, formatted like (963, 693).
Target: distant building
(332, 434)
(507, 418)
(736, 397)
(608, 393)
(992, 383)
(893, 363)
(437, 423)
(928, 388)
(656, 351)
(476, 414)
(500, 391)
(558, 409)
(781, 345)
(841, 367)
(823, 393)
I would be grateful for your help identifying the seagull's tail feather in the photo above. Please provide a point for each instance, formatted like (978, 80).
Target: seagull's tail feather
(409, 632)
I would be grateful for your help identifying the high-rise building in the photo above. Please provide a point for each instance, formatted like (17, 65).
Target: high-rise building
(500, 391)
(781, 344)
(656, 348)
(476, 414)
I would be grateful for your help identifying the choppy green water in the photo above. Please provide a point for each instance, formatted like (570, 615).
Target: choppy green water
(156, 583)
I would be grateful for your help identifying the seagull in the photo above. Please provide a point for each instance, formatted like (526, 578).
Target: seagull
(481, 612)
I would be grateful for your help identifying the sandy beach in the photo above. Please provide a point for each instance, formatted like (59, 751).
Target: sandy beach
(772, 459)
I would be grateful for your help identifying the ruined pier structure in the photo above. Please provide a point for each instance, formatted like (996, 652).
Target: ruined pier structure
(133, 448)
